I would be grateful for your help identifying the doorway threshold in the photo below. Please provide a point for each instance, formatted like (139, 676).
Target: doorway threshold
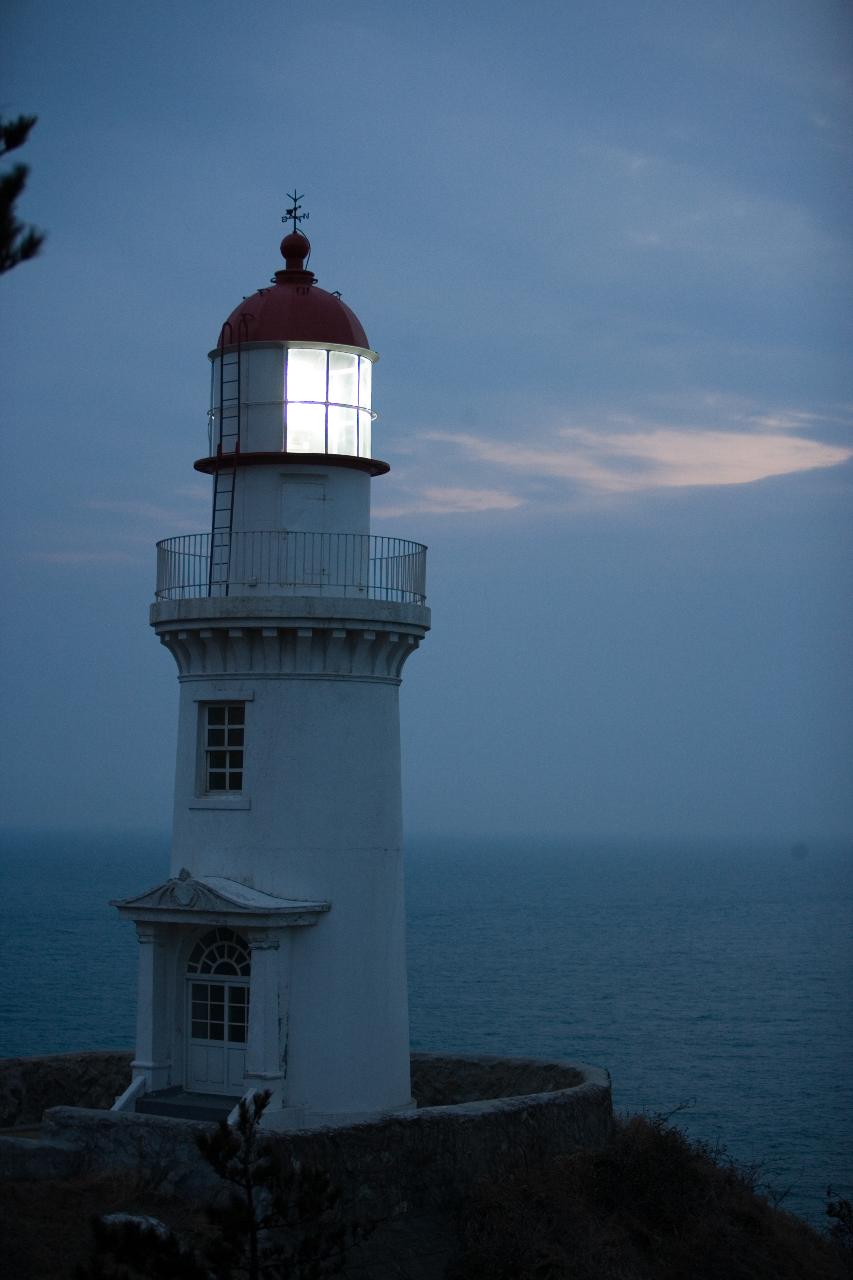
(181, 1105)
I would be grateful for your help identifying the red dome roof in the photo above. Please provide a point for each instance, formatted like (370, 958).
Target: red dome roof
(293, 308)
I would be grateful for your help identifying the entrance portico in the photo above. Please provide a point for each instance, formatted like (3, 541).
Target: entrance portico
(214, 966)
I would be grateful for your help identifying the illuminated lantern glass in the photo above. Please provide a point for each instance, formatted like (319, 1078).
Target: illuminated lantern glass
(327, 402)
(306, 375)
(343, 378)
(343, 425)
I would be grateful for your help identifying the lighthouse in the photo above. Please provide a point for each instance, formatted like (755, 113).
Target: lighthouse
(274, 955)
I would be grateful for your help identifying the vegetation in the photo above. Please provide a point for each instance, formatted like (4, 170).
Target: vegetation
(650, 1206)
(17, 242)
(841, 1231)
(276, 1221)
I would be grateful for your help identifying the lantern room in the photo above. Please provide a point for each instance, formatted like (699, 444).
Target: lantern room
(294, 397)
(292, 372)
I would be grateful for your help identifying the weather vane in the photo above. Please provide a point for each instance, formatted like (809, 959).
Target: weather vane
(293, 211)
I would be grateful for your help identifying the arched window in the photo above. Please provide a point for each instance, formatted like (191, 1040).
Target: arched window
(221, 952)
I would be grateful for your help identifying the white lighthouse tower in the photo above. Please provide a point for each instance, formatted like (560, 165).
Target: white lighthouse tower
(274, 956)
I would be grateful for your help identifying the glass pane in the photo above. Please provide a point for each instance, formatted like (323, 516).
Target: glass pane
(217, 1031)
(236, 715)
(306, 374)
(217, 992)
(215, 715)
(342, 431)
(306, 428)
(216, 759)
(235, 737)
(199, 1031)
(235, 759)
(365, 379)
(216, 737)
(343, 377)
(235, 782)
(216, 782)
(364, 425)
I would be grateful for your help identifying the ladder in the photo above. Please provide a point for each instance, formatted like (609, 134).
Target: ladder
(220, 535)
(227, 427)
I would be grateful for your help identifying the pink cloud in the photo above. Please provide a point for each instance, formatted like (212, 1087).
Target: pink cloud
(450, 500)
(609, 461)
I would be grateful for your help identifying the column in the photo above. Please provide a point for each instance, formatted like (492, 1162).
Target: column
(153, 1058)
(268, 1001)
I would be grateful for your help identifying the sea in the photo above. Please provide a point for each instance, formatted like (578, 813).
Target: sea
(713, 981)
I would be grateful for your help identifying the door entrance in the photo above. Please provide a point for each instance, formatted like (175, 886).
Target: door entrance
(218, 1013)
(218, 1018)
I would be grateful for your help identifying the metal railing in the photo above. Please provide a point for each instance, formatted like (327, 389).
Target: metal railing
(284, 562)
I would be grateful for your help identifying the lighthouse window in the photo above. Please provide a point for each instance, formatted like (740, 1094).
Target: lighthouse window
(220, 952)
(224, 728)
(306, 428)
(365, 376)
(327, 402)
(364, 425)
(306, 374)
(342, 428)
(343, 378)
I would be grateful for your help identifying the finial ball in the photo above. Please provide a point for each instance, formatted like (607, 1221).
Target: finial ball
(295, 248)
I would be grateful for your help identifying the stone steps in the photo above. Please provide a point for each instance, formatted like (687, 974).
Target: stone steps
(180, 1105)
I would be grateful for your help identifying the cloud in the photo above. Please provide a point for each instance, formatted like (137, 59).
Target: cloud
(673, 458)
(449, 500)
(786, 420)
(610, 461)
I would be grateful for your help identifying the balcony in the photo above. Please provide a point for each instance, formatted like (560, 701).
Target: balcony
(283, 562)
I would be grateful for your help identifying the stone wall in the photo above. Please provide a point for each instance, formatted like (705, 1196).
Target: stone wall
(28, 1086)
(411, 1160)
(440, 1080)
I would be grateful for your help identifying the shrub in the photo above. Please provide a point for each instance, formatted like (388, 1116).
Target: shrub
(649, 1205)
(275, 1221)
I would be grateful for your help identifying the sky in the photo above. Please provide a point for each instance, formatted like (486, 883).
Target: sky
(604, 251)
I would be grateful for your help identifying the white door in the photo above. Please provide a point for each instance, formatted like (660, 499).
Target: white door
(218, 1020)
(304, 548)
(304, 503)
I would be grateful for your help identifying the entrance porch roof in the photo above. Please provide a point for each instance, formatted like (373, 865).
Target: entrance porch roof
(186, 899)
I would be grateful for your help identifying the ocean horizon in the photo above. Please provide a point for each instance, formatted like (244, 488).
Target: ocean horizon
(711, 979)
